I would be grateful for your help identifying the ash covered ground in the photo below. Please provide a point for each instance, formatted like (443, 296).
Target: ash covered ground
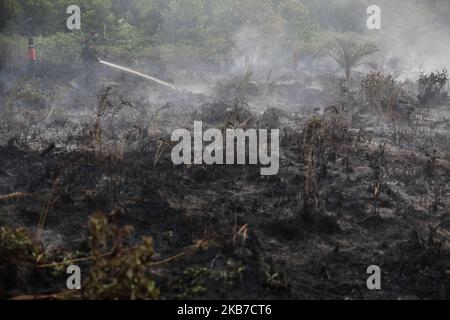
(363, 180)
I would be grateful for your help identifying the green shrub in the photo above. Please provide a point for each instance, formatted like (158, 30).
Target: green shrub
(118, 272)
(13, 52)
(16, 244)
(60, 48)
(18, 255)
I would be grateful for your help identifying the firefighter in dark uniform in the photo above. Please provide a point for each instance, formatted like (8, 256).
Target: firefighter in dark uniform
(90, 59)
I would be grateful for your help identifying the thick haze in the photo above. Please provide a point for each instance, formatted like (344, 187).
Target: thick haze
(414, 35)
(411, 32)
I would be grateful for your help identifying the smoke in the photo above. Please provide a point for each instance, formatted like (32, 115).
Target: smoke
(412, 34)
(257, 51)
(412, 39)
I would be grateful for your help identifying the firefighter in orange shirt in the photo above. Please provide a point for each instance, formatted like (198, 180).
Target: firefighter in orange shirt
(31, 55)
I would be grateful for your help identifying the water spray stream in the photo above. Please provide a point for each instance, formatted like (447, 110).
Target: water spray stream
(139, 74)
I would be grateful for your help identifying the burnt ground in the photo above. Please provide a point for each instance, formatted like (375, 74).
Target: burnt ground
(351, 192)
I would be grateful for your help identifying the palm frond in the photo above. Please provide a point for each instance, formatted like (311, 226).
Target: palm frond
(349, 53)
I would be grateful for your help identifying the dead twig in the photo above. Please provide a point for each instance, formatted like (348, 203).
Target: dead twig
(15, 196)
(72, 261)
(44, 296)
(189, 250)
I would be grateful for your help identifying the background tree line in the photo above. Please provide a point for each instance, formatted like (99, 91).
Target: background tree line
(192, 29)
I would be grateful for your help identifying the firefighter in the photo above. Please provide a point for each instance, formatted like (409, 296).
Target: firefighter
(90, 59)
(89, 54)
(31, 55)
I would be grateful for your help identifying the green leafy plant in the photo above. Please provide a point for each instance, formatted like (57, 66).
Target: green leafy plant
(118, 272)
(16, 244)
(18, 255)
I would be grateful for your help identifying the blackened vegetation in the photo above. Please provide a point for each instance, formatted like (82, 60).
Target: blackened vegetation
(431, 87)
(93, 189)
